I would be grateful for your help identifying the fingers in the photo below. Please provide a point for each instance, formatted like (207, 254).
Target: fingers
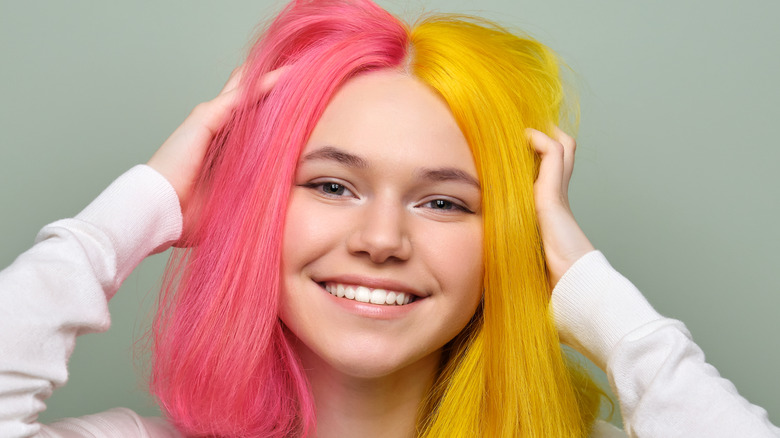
(234, 79)
(180, 157)
(557, 154)
(265, 84)
(569, 149)
(563, 240)
(270, 79)
(551, 170)
(214, 112)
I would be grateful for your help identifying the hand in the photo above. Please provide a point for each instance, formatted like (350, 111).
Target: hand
(563, 240)
(180, 157)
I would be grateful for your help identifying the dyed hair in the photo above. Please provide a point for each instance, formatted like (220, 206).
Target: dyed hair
(222, 363)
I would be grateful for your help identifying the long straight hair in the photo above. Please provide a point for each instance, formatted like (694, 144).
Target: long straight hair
(508, 376)
(222, 364)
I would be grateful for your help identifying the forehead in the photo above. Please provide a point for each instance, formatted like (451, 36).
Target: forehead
(389, 116)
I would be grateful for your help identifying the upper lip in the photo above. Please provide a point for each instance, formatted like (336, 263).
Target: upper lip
(373, 283)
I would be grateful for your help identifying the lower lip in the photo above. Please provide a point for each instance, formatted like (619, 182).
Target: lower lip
(376, 311)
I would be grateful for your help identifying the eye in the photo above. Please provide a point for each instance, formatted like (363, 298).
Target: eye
(441, 204)
(445, 205)
(330, 188)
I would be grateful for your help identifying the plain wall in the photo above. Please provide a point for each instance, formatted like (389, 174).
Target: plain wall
(675, 178)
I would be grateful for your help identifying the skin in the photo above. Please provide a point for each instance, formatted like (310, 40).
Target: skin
(395, 223)
(381, 222)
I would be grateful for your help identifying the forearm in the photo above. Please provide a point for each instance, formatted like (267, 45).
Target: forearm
(665, 387)
(60, 288)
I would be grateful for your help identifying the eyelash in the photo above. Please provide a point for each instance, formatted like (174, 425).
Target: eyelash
(452, 205)
(321, 185)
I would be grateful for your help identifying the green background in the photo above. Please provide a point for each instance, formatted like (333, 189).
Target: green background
(675, 179)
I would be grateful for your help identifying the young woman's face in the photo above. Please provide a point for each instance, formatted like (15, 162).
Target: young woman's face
(386, 209)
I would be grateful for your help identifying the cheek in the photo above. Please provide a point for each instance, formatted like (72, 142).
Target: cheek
(306, 238)
(298, 227)
(461, 256)
(456, 259)
(312, 233)
(300, 247)
(309, 231)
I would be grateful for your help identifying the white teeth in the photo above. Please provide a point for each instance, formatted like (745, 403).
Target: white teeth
(378, 296)
(367, 295)
(362, 294)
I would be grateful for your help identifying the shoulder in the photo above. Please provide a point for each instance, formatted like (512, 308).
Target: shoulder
(118, 422)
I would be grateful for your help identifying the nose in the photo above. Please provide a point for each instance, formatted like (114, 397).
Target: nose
(381, 233)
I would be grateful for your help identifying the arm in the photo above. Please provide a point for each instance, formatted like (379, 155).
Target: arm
(59, 289)
(663, 383)
(664, 386)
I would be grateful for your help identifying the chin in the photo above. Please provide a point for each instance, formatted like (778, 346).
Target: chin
(366, 358)
(381, 366)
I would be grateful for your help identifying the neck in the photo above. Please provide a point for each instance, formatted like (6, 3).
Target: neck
(382, 407)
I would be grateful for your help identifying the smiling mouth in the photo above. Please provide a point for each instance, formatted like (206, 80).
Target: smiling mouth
(368, 295)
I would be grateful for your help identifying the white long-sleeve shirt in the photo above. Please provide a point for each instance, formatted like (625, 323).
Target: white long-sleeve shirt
(60, 288)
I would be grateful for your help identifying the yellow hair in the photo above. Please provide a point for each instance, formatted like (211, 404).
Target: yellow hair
(505, 375)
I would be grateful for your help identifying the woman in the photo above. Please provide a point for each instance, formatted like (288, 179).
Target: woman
(491, 365)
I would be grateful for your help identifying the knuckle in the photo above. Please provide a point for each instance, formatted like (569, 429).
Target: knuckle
(568, 141)
(557, 148)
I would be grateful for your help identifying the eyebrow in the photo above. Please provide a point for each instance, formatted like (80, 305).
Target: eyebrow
(440, 174)
(443, 174)
(338, 155)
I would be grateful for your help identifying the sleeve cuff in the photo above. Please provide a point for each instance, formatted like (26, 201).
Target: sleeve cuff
(594, 307)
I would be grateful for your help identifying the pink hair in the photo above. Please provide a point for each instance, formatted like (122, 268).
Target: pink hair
(217, 368)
